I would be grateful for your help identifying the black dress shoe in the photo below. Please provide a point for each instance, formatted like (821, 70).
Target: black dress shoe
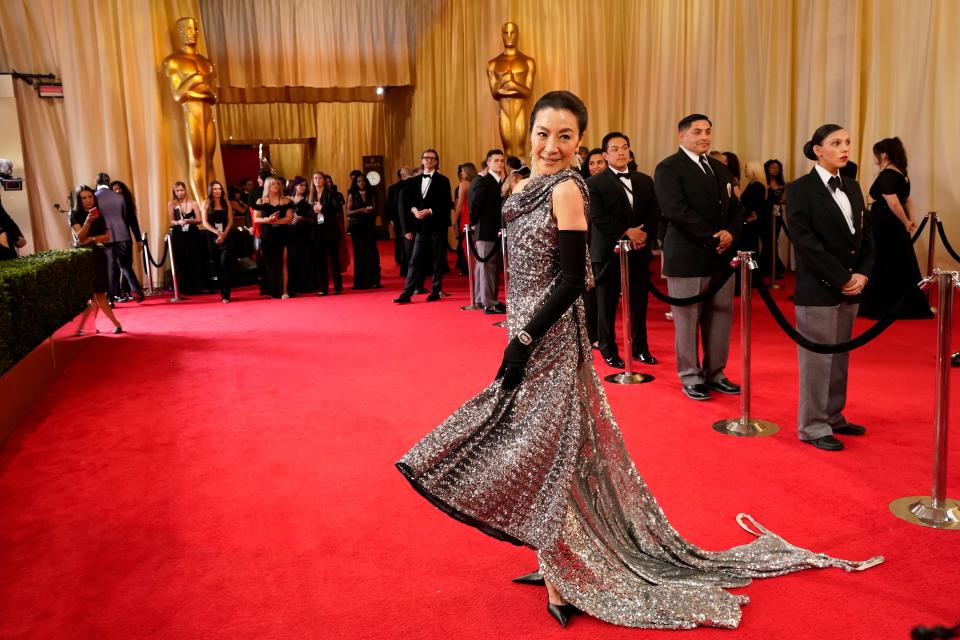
(418, 291)
(645, 357)
(561, 612)
(827, 443)
(614, 361)
(494, 310)
(403, 299)
(696, 391)
(433, 297)
(725, 386)
(533, 578)
(955, 359)
(850, 429)
(138, 297)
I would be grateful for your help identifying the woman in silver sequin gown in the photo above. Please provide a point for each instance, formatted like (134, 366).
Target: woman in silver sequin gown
(544, 464)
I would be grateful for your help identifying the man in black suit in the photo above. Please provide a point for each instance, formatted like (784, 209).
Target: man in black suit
(832, 236)
(428, 200)
(485, 222)
(120, 222)
(394, 215)
(694, 192)
(623, 205)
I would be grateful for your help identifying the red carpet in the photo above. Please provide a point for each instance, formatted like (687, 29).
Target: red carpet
(226, 472)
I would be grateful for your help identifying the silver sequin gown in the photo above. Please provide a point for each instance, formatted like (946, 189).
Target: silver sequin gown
(544, 465)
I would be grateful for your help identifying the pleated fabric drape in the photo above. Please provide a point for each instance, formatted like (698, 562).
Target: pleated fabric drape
(766, 72)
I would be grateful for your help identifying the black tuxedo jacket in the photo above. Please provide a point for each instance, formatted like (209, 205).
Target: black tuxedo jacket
(438, 199)
(611, 214)
(827, 253)
(485, 206)
(695, 206)
(393, 204)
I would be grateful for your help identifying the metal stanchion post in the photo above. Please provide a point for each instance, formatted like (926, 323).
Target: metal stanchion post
(936, 510)
(471, 263)
(628, 375)
(773, 248)
(745, 425)
(668, 315)
(931, 249)
(147, 272)
(173, 269)
(506, 270)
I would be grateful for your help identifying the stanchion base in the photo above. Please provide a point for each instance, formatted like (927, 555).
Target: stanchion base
(775, 286)
(920, 510)
(175, 299)
(502, 323)
(746, 428)
(668, 316)
(472, 307)
(627, 377)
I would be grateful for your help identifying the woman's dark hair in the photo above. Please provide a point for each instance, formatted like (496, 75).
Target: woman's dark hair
(561, 101)
(128, 200)
(223, 193)
(817, 139)
(76, 197)
(173, 191)
(733, 163)
(234, 192)
(896, 154)
(766, 171)
(469, 171)
(514, 163)
(355, 187)
(594, 152)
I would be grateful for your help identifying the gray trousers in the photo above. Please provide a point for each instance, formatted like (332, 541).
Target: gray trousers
(823, 377)
(485, 278)
(709, 320)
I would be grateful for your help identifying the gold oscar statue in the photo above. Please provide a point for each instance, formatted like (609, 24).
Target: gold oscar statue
(511, 81)
(191, 77)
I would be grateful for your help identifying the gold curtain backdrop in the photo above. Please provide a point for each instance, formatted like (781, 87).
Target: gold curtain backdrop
(767, 72)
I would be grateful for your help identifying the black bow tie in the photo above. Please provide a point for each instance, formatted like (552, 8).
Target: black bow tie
(625, 174)
(834, 184)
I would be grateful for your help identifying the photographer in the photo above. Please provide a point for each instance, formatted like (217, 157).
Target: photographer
(11, 238)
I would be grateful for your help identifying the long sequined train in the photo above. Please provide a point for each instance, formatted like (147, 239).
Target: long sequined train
(544, 465)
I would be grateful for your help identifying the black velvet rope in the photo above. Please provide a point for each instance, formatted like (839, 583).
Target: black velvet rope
(158, 265)
(715, 285)
(946, 243)
(916, 234)
(489, 256)
(878, 327)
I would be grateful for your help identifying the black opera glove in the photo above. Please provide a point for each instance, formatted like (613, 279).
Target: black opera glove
(515, 358)
(573, 269)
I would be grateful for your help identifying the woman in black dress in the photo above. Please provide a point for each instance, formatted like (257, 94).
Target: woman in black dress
(361, 225)
(326, 239)
(274, 212)
(189, 245)
(773, 170)
(895, 270)
(753, 196)
(218, 221)
(91, 232)
(302, 253)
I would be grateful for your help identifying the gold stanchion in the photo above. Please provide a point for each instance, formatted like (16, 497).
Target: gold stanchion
(173, 270)
(775, 216)
(628, 375)
(936, 510)
(506, 270)
(471, 264)
(745, 426)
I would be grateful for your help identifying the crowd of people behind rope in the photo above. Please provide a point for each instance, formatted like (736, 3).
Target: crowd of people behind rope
(295, 235)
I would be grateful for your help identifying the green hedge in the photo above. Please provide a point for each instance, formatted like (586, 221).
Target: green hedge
(39, 294)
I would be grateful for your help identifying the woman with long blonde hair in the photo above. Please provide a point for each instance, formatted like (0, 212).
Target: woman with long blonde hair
(273, 211)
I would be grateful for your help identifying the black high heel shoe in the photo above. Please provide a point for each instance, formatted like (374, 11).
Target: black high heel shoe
(533, 578)
(561, 612)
